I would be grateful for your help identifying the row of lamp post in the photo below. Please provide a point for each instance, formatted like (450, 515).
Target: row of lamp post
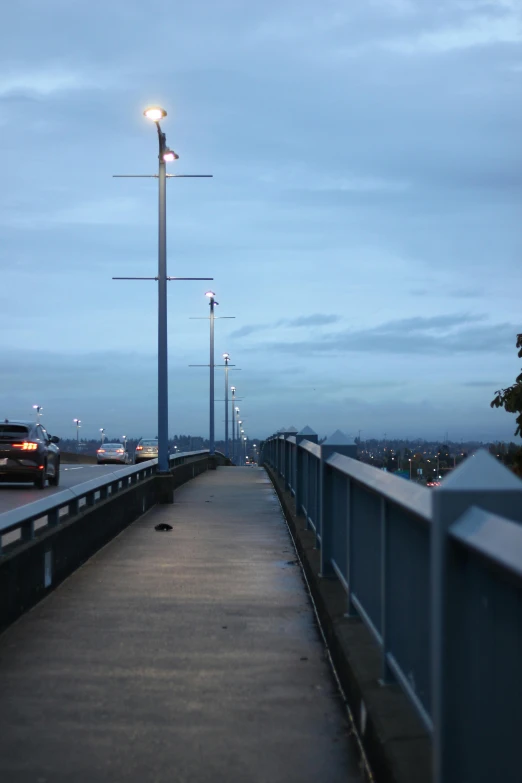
(155, 114)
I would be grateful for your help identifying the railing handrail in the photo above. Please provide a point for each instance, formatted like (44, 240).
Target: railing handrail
(13, 518)
(310, 446)
(412, 497)
(494, 538)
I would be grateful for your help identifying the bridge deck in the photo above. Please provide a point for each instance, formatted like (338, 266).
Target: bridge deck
(188, 655)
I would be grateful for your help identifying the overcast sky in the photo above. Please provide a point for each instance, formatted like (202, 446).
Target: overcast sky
(362, 225)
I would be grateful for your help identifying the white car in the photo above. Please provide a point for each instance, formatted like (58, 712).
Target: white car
(112, 452)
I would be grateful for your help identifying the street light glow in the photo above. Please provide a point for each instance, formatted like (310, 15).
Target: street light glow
(232, 388)
(210, 294)
(169, 156)
(155, 113)
(226, 356)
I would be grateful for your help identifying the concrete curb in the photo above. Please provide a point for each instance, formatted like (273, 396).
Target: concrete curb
(394, 739)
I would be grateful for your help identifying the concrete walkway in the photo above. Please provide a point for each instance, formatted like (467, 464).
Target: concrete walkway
(183, 656)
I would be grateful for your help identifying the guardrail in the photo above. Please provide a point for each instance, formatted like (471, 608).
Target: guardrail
(46, 540)
(25, 522)
(436, 576)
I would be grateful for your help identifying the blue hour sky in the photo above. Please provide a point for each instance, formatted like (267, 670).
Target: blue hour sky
(362, 225)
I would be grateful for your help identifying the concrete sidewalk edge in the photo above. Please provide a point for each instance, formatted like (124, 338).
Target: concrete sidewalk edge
(394, 739)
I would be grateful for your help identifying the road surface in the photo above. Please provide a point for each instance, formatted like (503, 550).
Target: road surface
(14, 495)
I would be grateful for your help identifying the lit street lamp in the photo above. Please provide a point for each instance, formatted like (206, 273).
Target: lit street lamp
(155, 114)
(226, 357)
(124, 437)
(78, 425)
(212, 440)
(38, 409)
(410, 468)
(102, 430)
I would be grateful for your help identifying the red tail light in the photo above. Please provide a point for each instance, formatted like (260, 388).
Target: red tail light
(27, 446)
(119, 451)
(101, 451)
(139, 448)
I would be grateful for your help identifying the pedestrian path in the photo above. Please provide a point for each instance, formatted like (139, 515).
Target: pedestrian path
(189, 655)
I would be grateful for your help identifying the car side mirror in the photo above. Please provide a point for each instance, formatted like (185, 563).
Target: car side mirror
(55, 439)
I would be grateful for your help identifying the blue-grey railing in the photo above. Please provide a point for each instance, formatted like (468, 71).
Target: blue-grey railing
(436, 576)
(23, 523)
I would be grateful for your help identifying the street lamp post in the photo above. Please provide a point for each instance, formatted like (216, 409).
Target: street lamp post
(78, 425)
(410, 468)
(165, 154)
(156, 113)
(102, 430)
(124, 438)
(38, 409)
(245, 451)
(239, 423)
(233, 417)
(212, 441)
(226, 357)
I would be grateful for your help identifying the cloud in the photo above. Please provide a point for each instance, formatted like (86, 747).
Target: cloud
(316, 319)
(43, 82)
(480, 384)
(435, 336)
(445, 291)
(477, 31)
(298, 177)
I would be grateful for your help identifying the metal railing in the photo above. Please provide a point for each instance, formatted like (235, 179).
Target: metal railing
(26, 522)
(436, 576)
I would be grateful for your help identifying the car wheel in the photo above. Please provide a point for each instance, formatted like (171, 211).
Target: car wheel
(55, 480)
(41, 479)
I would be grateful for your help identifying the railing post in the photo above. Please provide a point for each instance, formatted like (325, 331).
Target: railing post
(287, 457)
(479, 481)
(306, 433)
(386, 676)
(340, 444)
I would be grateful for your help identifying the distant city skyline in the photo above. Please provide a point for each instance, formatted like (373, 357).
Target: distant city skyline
(362, 225)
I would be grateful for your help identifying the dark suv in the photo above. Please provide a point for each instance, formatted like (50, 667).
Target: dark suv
(28, 453)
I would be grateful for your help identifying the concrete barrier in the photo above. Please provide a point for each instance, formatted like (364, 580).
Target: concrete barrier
(45, 556)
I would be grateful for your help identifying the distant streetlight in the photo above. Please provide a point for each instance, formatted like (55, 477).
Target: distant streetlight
(78, 425)
(410, 468)
(38, 409)
(226, 358)
(102, 430)
(124, 437)
(233, 403)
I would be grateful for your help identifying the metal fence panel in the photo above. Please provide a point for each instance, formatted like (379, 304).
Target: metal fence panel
(408, 604)
(365, 543)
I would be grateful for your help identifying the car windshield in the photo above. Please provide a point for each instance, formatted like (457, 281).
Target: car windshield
(112, 446)
(149, 443)
(13, 430)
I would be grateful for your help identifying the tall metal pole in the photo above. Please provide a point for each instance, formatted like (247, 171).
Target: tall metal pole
(212, 442)
(227, 359)
(233, 418)
(163, 378)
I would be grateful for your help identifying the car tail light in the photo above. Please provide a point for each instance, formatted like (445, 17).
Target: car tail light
(27, 446)
(101, 451)
(139, 448)
(119, 451)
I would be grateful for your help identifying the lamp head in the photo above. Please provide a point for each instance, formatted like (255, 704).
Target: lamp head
(169, 155)
(210, 294)
(155, 113)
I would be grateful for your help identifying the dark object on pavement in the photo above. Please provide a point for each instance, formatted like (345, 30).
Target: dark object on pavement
(163, 526)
